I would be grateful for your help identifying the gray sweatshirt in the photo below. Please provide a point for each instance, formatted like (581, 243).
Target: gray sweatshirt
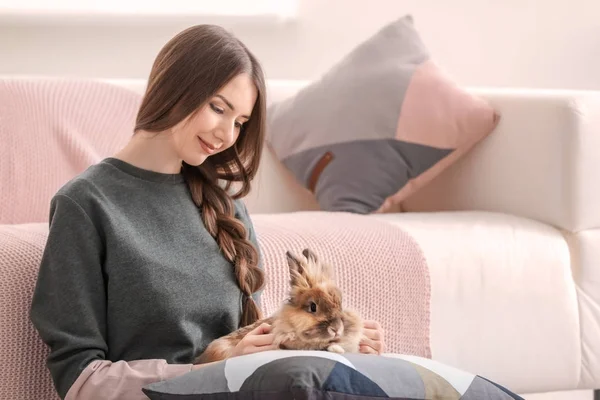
(131, 285)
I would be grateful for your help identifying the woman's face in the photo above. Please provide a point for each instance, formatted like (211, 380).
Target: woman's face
(217, 124)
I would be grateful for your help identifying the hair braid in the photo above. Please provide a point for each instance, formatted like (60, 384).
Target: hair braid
(217, 211)
(187, 72)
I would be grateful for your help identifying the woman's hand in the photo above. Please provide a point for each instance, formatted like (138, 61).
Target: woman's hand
(372, 341)
(257, 340)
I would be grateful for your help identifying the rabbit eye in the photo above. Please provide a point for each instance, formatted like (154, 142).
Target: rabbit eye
(312, 308)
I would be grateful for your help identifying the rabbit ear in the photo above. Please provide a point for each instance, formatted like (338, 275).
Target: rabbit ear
(310, 256)
(295, 265)
(323, 267)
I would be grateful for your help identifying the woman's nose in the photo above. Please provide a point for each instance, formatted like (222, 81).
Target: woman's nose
(226, 133)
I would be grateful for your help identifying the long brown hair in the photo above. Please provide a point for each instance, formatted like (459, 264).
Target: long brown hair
(188, 70)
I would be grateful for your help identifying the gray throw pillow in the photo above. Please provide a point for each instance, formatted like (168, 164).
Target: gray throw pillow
(379, 125)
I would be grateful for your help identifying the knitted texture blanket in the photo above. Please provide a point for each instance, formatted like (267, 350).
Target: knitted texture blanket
(50, 131)
(60, 127)
(379, 268)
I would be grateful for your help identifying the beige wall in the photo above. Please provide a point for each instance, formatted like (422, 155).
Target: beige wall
(534, 43)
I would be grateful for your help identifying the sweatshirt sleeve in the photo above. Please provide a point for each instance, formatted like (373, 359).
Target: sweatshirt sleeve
(68, 310)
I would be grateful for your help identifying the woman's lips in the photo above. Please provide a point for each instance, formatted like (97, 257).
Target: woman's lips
(209, 149)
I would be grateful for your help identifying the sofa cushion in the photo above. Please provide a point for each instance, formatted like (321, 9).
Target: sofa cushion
(378, 125)
(504, 302)
(286, 374)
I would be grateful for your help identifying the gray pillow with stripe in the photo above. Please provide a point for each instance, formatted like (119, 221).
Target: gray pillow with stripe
(379, 125)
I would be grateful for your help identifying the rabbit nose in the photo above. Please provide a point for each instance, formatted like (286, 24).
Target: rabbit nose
(336, 329)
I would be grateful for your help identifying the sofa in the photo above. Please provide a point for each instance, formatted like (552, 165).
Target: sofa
(510, 232)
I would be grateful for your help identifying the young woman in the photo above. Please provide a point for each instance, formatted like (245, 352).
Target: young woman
(148, 257)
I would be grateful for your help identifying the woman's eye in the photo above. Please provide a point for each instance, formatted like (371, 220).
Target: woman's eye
(239, 125)
(216, 109)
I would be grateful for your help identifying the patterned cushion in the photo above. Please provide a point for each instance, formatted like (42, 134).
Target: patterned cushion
(379, 125)
(315, 375)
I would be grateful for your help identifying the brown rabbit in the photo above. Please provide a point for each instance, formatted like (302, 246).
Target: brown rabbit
(312, 318)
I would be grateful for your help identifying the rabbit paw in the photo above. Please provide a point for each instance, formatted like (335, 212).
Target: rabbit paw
(336, 348)
(281, 340)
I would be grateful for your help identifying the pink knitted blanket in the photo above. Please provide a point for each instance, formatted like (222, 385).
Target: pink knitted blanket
(379, 267)
(23, 355)
(50, 131)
